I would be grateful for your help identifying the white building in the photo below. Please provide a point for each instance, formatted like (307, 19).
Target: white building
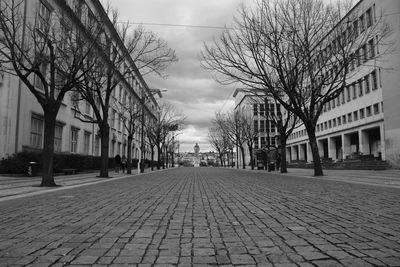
(364, 121)
(21, 116)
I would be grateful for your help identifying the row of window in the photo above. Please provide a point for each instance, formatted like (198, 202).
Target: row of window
(262, 142)
(356, 89)
(262, 109)
(344, 119)
(36, 136)
(36, 139)
(353, 29)
(264, 126)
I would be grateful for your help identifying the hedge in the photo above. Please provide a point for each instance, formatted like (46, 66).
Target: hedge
(18, 163)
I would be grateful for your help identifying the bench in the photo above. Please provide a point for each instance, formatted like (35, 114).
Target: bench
(69, 171)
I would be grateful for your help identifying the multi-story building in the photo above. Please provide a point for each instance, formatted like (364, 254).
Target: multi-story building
(261, 110)
(364, 121)
(21, 116)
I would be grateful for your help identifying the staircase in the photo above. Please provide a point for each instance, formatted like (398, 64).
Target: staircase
(347, 164)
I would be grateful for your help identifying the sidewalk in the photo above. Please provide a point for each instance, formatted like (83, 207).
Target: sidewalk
(15, 187)
(386, 178)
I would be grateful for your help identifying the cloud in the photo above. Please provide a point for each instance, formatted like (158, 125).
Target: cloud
(190, 88)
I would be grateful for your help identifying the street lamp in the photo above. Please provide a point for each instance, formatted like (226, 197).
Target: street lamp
(142, 145)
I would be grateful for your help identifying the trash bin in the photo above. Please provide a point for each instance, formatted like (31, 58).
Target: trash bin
(32, 169)
(142, 165)
(271, 167)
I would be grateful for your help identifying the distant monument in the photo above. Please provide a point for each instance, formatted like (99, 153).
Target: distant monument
(196, 161)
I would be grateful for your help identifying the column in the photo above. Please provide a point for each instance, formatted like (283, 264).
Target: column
(301, 152)
(346, 145)
(332, 148)
(363, 142)
(309, 153)
(382, 138)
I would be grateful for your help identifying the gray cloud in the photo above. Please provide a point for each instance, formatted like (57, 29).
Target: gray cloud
(190, 88)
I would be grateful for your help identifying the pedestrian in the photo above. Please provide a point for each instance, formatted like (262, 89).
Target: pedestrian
(123, 163)
(117, 159)
(278, 162)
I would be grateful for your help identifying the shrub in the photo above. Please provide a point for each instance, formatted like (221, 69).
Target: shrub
(18, 163)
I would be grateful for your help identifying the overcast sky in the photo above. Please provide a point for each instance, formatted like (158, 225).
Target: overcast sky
(190, 88)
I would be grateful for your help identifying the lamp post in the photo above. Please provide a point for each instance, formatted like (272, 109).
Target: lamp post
(142, 144)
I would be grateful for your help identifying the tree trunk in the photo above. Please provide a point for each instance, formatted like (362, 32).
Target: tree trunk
(314, 149)
(129, 158)
(283, 155)
(48, 148)
(251, 157)
(105, 136)
(243, 159)
(152, 158)
(221, 159)
(159, 152)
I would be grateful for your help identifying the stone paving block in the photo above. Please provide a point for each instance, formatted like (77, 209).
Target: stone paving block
(206, 217)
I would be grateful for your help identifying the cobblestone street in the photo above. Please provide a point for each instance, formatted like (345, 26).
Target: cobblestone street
(204, 216)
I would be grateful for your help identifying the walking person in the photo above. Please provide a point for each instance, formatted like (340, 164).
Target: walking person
(117, 159)
(278, 162)
(123, 163)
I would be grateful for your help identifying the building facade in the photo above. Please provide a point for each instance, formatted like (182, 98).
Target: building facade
(364, 121)
(21, 116)
(261, 110)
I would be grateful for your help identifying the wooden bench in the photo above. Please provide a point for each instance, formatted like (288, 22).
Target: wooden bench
(69, 171)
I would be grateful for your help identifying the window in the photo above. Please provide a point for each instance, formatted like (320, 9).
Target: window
(364, 55)
(338, 100)
(376, 108)
(339, 121)
(255, 113)
(330, 124)
(113, 114)
(255, 142)
(349, 118)
(360, 88)
(273, 142)
(348, 93)
(87, 108)
(343, 97)
(355, 28)
(74, 139)
(272, 126)
(344, 119)
(262, 109)
(368, 17)
(334, 122)
(37, 81)
(362, 115)
(36, 131)
(272, 109)
(333, 103)
(355, 115)
(374, 80)
(368, 111)
(263, 141)
(354, 87)
(86, 142)
(255, 125)
(97, 145)
(43, 17)
(58, 137)
(262, 125)
(366, 80)
(362, 23)
(358, 59)
(267, 126)
(371, 49)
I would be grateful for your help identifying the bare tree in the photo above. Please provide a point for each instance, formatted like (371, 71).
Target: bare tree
(47, 54)
(167, 119)
(232, 125)
(218, 141)
(151, 53)
(131, 114)
(100, 83)
(300, 52)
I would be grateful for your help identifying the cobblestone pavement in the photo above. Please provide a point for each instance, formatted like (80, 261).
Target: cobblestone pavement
(204, 216)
